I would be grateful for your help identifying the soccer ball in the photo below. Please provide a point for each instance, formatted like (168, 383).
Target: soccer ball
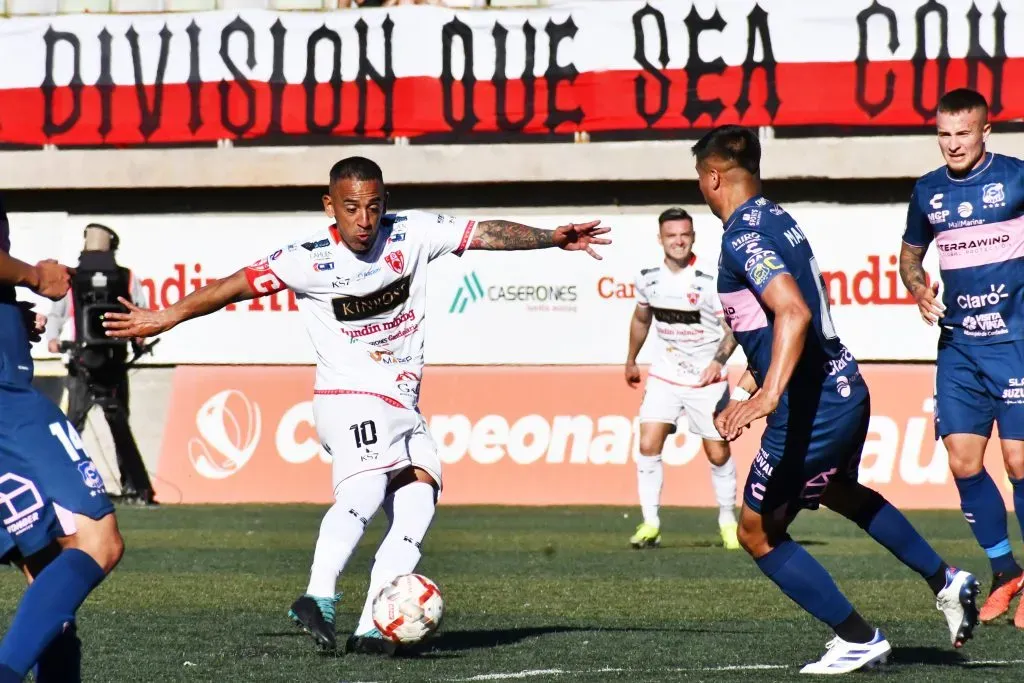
(408, 610)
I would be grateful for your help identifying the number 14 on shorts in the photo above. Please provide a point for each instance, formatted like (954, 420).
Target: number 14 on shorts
(69, 439)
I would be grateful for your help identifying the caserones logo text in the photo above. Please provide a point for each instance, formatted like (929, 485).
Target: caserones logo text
(537, 296)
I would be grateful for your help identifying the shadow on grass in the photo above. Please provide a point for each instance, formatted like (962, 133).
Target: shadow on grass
(472, 639)
(926, 655)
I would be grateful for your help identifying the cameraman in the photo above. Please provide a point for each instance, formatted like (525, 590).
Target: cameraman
(97, 369)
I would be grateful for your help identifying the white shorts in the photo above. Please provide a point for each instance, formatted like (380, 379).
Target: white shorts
(367, 433)
(667, 402)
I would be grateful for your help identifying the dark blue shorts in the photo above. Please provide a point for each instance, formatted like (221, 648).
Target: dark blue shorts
(45, 474)
(977, 385)
(820, 439)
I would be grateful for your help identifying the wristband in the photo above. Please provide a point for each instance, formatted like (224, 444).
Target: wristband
(740, 394)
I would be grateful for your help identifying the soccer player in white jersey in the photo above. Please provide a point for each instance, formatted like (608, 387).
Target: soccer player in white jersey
(680, 299)
(361, 291)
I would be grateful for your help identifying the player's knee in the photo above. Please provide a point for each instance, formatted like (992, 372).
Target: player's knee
(1013, 458)
(717, 452)
(651, 444)
(101, 540)
(753, 538)
(966, 454)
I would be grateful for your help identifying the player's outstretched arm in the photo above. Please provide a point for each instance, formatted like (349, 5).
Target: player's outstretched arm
(916, 281)
(500, 235)
(792, 320)
(47, 278)
(138, 322)
(639, 327)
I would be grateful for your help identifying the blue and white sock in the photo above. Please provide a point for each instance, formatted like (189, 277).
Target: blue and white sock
(983, 508)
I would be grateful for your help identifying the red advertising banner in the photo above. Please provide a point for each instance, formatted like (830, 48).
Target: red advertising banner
(508, 435)
(438, 74)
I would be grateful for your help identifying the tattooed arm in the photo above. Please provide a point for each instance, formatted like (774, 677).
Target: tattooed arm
(713, 372)
(726, 346)
(916, 281)
(499, 235)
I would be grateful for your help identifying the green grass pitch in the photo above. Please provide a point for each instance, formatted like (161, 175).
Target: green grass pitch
(548, 594)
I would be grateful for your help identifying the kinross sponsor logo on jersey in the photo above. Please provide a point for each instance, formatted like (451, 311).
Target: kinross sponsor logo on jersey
(531, 435)
(361, 307)
(535, 296)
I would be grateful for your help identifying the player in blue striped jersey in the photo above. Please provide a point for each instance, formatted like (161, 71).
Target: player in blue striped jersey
(973, 209)
(808, 385)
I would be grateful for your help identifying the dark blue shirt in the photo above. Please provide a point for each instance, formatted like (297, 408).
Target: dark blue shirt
(15, 350)
(761, 242)
(977, 224)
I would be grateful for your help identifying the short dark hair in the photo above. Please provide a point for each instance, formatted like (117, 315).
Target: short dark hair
(731, 143)
(960, 100)
(674, 214)
(356, 168)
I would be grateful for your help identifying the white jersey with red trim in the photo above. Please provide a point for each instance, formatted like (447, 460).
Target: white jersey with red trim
(365, 312)
(687, 316)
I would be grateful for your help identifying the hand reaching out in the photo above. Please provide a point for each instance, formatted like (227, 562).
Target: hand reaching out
(137, 322)
(580, 237)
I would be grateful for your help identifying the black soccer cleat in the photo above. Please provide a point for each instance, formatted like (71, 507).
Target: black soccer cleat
(371, 643)
(315, 616)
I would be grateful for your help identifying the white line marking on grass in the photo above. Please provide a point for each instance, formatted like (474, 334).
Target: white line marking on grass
(994, 662)
(509, 676)
(530, 673)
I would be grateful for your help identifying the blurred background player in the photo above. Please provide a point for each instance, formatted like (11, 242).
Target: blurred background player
(689, 376)
(97, 368)
(808, 384)
(59, 526)
(973, 208)
(362, 287)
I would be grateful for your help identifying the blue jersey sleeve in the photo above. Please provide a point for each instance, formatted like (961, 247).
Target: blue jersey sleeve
(919, 231)
(758, 258)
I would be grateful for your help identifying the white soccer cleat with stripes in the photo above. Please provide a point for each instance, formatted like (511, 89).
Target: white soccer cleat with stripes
(842, 657)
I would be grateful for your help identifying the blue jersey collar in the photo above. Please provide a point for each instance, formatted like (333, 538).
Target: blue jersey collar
(989, 156)
(740, 209)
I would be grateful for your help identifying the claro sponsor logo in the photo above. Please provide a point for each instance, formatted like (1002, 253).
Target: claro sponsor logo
(871, 285)
(229, 428)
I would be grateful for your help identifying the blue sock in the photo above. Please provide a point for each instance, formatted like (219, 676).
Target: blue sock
(61, 662)
(890, 528)
(806, 582)
(1018, 501)
(49, 603)
(983, 507)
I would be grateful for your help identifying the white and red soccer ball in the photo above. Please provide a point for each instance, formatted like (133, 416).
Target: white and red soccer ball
(408, 610)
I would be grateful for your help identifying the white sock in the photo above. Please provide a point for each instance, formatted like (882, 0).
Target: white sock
(650, 474)
(356, 502)
(723, 478)
(410, 510)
